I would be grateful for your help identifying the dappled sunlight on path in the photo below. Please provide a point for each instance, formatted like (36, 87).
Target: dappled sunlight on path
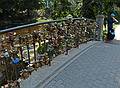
(117, 33)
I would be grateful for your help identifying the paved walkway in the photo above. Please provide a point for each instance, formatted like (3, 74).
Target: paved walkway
(98, 67)
(93, 65)
(43, 75)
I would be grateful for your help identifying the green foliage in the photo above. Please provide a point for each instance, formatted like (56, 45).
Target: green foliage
(16, 9)
(40, 49)
(61, 8)
(25, 10)
(91, 8)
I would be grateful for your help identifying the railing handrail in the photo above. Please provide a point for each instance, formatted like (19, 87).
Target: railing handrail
(38, 23)
(39, 43)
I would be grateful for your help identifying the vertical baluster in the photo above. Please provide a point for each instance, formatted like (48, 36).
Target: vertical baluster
(34, 35)
(66, 41)
(34, 51)
(39, 38)
(21, 50)
(28, 51)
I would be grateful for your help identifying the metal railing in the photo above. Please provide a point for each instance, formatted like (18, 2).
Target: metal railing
(35, 45)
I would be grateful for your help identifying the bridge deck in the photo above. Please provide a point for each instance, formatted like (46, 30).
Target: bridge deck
(96, 65)
(93, 65)
(99, 67)
(43, 74)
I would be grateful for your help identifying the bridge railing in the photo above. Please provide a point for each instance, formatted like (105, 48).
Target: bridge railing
(38, 43)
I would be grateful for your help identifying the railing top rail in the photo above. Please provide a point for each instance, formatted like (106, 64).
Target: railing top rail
(38, 23)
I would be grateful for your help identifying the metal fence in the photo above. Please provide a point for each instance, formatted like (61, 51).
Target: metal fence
(25, 48)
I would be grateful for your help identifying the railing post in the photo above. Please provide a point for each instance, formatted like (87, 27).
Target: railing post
(21, 50)
(99, 28)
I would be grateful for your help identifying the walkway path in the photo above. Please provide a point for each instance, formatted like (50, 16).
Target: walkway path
(43, 75)
(99, 67)
(93, 65)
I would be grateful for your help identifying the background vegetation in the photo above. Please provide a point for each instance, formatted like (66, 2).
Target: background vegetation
(18, 12)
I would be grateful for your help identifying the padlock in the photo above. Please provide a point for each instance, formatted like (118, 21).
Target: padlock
(25, 74)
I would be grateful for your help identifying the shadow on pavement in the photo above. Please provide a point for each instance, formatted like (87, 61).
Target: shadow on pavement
(115, 42)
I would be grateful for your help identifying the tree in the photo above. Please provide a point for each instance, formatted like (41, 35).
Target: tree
(91, 8)
(76, 7)
(11, 9)
(61, 8)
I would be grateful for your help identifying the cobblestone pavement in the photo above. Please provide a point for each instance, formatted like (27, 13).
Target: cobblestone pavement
(99, 67)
